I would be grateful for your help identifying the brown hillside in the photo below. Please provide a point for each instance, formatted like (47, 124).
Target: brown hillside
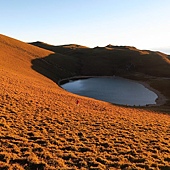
(111, 59)
(16, 56)
(42, 127)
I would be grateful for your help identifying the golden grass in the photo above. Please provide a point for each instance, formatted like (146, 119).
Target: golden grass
(41, 127)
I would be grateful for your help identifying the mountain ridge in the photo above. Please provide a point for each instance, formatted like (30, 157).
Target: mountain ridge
(119, 58)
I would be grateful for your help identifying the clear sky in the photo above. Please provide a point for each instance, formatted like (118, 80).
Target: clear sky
(144, 24)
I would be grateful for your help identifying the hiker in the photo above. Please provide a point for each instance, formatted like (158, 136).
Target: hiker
(77, 102)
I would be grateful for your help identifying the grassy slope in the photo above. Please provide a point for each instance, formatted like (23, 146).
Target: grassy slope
(41, 127)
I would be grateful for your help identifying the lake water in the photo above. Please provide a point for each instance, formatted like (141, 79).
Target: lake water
(113, 89)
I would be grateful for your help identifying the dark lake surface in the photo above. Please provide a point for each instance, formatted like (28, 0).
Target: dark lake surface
(112, 89)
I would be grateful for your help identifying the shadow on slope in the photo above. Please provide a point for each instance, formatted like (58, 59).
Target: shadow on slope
(56, 66)
(111, 59)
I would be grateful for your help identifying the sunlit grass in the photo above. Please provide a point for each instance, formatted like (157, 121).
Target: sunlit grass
(42, 127)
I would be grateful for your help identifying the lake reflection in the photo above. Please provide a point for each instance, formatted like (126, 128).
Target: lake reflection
(113, 89)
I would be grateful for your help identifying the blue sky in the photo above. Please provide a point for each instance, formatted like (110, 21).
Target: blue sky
(141, 23)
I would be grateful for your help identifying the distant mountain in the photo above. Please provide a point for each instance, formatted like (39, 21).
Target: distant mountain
(112, 59)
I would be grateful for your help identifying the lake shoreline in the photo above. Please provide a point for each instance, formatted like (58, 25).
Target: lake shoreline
(161, 99)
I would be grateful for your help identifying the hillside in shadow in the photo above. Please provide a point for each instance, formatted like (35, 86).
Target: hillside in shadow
(109, 60)
(56, 66)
